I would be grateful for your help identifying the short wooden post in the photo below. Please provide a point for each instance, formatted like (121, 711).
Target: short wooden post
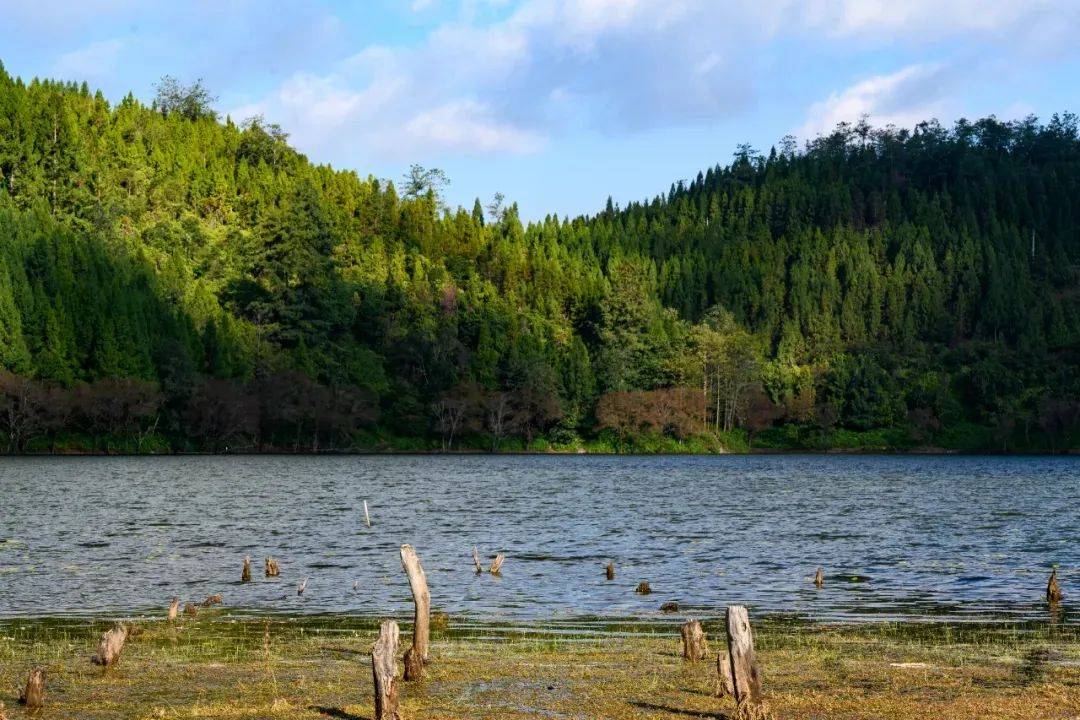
(694, 645)
(33, 696)
(643, 588)
(272, 567)
(111, 645)
(1053, 589)
(724, 684)
(174, 609)
(418, 654)
(245, 574)
(819, 579)
(745, 674)
(609, 571)
(384, 671)
(476, 560)
(496, 564)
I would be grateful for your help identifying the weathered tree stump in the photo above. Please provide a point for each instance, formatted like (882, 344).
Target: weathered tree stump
(272, 567)
(745, 674)
(476, 560)
(643, 588)
(174, 609)
(111, 645)
(694, 645)
(496, 564)
(609, 571)
(1053, 589)
(819, 578)
(3, 715)
(418, 654)
(670, 607)
(33, 696)
(725, 685)
(191, 609)
(384, 672)
(245, 574)
(212, 600)
(301, 587)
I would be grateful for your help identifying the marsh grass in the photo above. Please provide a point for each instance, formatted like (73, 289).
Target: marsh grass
(221, 666)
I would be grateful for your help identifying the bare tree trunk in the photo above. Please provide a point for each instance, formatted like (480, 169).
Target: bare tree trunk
(418, 654)
(33, 696)
(694, 645)
(744, 668)
(384, 672)
(111, 645)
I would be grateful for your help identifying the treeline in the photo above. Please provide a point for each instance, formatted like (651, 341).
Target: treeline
(878, 286)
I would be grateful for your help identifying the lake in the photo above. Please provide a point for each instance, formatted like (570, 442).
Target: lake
(920, 537)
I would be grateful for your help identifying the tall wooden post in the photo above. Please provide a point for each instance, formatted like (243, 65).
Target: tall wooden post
(384, 672)
(745, 674)
(418, 654)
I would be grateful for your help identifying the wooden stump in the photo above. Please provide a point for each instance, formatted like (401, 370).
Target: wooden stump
(643, 588)
(745, 674)
(496, 564)
(609, 571)
(367, 517)
(301, 587)
(670, 607)
(3, 715)
(174, 609)
(1053, 589)
(694, 645)
(384, 672)
(212, 600)
(819, 578)
(245, 574)
(111, 645)
(33, 696)
(191, 610)
(272, 567)
(476, 560)
(418, 653)
(725, 686)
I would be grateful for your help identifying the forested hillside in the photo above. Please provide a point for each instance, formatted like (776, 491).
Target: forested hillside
(171, 280)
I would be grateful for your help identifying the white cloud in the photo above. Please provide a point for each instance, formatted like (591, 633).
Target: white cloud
(98, 59)
(903, 98)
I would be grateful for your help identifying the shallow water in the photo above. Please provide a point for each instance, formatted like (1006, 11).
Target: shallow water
(943, 538)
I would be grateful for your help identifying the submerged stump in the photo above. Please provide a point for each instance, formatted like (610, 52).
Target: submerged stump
(384, 672)
(245, 574)
(819, 578)
(694, 645)
(1053, 589)
(496, 564)
(418, 654)
(271, 567)
(609, 571)
(643, 588)
(110, 646)
(33, 695)
(476, 560)
(212, 600)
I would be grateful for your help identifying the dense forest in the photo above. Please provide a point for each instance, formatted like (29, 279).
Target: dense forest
(171, 280)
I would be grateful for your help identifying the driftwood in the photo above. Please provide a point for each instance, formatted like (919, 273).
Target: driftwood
(609, 571)
(819, 578)
(724, 684)
(476, 560)
(272, 567)
(643, 588)
(33, 696)
(191, 609)
(245, 574)
(745, 674)
(384, 672)
(301, 587)
(111, 645)
(174, 609)
(496, 564)
(418, 654)
(694, 645)
(1053, 589)
(212, 600)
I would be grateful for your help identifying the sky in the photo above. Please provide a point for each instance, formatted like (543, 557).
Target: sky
(559, 104)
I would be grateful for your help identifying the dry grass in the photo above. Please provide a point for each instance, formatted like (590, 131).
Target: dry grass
(219, 667)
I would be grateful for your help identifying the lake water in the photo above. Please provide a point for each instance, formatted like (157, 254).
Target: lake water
(957, 538)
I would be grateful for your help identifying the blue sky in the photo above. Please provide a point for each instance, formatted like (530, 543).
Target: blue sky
(559, 103)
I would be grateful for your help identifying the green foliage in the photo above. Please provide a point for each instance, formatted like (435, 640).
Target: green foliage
(881, 289)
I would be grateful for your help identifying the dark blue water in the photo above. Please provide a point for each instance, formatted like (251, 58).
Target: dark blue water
(958, 538)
